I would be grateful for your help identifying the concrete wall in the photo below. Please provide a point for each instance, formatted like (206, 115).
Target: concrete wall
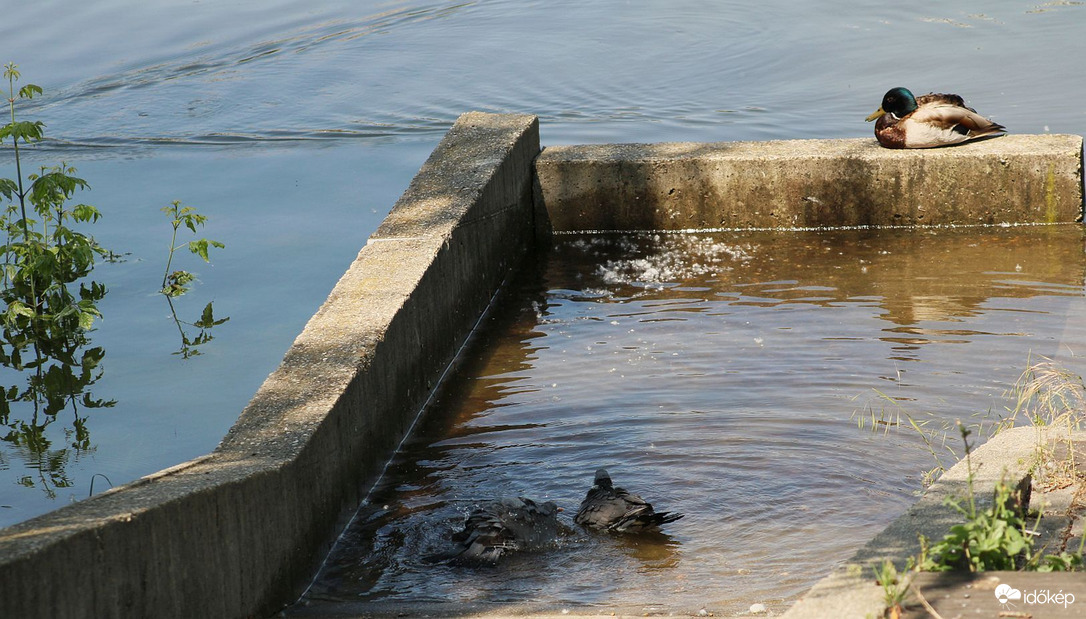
(809, 183)
(237, 532)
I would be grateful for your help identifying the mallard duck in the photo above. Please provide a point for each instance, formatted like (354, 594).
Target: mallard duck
(506, 525)
(927, 121)
(613, 509)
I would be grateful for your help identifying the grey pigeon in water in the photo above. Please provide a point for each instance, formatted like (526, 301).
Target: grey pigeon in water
(508, 525)
(613, 509)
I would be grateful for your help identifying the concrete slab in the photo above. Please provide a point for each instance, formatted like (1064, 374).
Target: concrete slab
(809, 183)
(1044, 596)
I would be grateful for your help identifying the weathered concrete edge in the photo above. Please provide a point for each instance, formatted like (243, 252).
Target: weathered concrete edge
(849, 591)
(809, 183)
(234, 533)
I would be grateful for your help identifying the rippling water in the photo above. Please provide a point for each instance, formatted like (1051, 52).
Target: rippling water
(722, 376)
(294, 127)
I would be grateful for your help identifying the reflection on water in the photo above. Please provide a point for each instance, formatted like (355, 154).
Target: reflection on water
(191, 343)
(717, 376)
(896, 269)
(43, 382)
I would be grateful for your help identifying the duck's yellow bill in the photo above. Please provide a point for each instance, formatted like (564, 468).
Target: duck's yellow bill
(878, 112)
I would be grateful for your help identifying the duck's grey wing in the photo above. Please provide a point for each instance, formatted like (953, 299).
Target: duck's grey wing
(600, 509)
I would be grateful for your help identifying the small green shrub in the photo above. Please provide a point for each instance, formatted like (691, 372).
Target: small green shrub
(990, 539)
(49, 306)
(994, 538)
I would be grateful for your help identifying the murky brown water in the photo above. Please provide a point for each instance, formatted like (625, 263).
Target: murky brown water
(719, 375)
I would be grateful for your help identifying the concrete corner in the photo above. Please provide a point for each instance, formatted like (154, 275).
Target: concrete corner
(237, 532)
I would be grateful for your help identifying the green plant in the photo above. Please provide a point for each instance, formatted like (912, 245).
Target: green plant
(993, 538)
(49, 307)
(932, 430)
(177, 283)
(190, 346)
(895, 588)
(1061, 562)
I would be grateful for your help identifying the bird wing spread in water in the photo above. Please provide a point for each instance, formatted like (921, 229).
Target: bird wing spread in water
(505, 526)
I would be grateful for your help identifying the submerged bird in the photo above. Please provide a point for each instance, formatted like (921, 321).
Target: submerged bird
(504, 526)
(927, 121)
(614, 509)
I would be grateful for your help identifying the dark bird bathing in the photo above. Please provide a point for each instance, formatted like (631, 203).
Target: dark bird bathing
(608, 508)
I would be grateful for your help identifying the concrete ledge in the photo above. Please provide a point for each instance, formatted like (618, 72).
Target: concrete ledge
(236, 533)
(850, 590)
(809, 183)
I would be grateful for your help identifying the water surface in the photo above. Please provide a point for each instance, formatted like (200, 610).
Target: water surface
(722, 376)
(295, 126)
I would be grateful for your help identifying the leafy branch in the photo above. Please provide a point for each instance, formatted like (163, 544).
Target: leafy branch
(177, 283)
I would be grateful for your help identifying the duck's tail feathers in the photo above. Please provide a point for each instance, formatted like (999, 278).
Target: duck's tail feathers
(977, 126)
(642, 523)
(666, 517)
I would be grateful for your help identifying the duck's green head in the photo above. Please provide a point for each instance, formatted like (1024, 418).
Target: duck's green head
(897, 101)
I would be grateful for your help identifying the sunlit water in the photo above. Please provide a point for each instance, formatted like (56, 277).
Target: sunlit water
(726, 377)
(294, 127)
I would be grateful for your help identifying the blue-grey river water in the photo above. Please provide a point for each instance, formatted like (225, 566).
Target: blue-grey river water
(294, 126)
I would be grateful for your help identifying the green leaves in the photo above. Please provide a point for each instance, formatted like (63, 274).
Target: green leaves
(184, 215)
(895, 587)
(993, 539)
(24, 131)
(200, 246)
(989, 539)
(176, 283)
(8, 188)
(207, 318)
(28, 91)
(54, 186)
(27, 131)
(85, 213)
(1062, 562)
(48, 308)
